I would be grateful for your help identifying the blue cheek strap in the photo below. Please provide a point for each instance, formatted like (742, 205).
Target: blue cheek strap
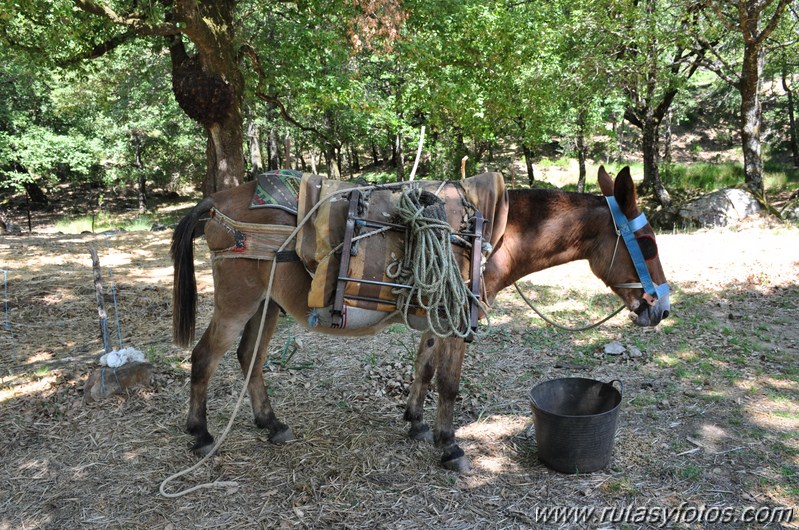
(626, 229)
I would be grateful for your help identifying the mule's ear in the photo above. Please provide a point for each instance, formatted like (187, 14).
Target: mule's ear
(624, 191)
(605, 182)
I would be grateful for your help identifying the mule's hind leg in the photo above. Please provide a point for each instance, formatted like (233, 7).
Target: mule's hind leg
(205, 356)
(232, 310)
(424, 370)
(261, 406)
(448, 377)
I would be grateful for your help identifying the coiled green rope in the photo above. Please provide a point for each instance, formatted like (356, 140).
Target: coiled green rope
(430, 269)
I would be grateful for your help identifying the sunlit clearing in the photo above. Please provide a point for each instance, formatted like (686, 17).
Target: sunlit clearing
(40, 357)
(667, 360)
(492, 464)
(155, 276)
(775, 406)
(493, 428)
(668, 323)
(41, 384)
(498, 320)
(491, 455)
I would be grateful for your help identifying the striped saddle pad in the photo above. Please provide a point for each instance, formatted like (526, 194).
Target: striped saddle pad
(278, 188)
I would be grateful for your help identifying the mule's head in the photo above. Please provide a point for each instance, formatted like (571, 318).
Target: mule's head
(627, 258)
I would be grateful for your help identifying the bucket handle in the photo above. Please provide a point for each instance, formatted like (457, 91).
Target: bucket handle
(621, 386)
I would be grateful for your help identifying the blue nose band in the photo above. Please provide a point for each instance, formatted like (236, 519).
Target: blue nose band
(626, 228)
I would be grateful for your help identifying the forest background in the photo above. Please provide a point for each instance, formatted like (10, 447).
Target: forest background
(134, 95)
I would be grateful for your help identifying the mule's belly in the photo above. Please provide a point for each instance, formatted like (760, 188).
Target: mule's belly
(356, 319)
(354, 323)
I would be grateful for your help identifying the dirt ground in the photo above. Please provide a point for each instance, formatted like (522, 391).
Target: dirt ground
(708, 423)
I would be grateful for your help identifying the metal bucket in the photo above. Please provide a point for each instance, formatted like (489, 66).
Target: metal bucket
(575, 422)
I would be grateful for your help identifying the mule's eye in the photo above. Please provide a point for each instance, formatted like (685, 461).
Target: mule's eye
(649, 248)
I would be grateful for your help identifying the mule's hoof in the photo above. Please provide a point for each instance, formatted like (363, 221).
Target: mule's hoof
(459, 464)
(282, 437)
(422, 434)
(204, 450)
(456, 460)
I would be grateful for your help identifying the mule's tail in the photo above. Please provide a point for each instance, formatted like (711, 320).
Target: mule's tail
(184, 288)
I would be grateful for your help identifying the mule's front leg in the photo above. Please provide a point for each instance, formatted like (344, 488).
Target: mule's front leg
(448, 377)
(424, 370)
(262, 408)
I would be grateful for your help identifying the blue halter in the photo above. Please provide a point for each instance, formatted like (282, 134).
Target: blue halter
(626, 228)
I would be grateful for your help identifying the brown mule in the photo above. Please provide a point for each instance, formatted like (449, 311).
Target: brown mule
(545, 228)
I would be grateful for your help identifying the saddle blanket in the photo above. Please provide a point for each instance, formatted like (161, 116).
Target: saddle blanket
(277, 189)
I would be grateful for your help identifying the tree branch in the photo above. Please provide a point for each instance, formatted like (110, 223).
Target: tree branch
(722, 17)
(633, 118)
(720, 66)
(103, 48)
(250, 52)
(743, 19)
(772, 24)
(135, 23)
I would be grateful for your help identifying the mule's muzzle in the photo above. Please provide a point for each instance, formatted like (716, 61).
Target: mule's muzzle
(651, 312)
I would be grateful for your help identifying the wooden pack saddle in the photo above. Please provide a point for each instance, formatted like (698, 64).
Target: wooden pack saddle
(353, 236)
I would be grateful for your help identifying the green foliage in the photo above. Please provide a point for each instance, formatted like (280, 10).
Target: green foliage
(477, 73)
(780, 175)
(60, 125)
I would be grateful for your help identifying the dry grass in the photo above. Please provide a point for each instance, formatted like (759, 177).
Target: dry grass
(709, 416)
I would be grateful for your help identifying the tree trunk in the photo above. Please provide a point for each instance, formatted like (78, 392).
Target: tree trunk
(254, 142)
(582, 151)
(528, 160)
(375, 154)
(287, 152)
(388, 147)
(35, 193)
(314, 171)
(399, 157)
(139, 170)
(355, 162)
(331, 159)
(792, 133)
(209, 86)
(649, 151)
(650, 147)
(272, 151)
(300, 157)
(339, 160)
(667, 139)
(350, 170)
(751, 115)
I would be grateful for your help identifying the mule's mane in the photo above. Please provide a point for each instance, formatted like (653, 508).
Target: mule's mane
(540, 195)
(534, 206)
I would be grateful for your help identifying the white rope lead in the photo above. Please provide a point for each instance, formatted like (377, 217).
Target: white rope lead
(565, 328)
(418, 154)
(218, 443)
